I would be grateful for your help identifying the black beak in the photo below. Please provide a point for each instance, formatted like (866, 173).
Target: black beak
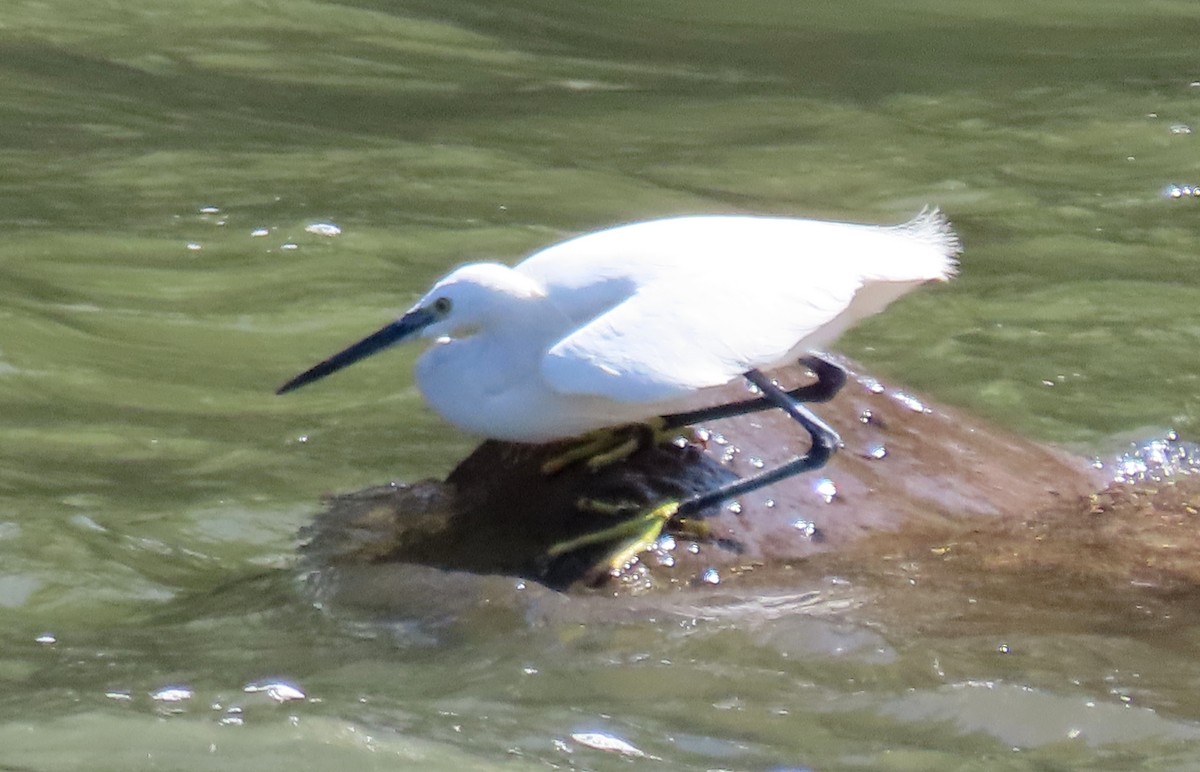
(396, 332)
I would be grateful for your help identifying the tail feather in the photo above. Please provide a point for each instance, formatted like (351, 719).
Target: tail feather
(931, 228)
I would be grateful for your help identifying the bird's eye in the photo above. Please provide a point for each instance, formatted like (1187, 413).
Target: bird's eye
(442, 306)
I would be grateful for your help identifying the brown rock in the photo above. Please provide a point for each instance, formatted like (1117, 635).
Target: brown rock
(913, 481)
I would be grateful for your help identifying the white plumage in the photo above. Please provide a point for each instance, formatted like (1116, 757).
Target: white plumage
(643, 319)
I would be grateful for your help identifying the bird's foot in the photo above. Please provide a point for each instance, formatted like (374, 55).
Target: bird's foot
(629, 538)
(607, 508)
(680, 526)
(602, 447)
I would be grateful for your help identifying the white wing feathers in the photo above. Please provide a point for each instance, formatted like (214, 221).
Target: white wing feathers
(633, 353)
(717, 296)
(640, 352)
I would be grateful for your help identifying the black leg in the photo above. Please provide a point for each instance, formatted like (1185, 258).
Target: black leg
(824, 442)
(830, 379)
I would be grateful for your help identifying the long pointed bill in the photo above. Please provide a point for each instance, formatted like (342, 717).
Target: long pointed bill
(396, 332)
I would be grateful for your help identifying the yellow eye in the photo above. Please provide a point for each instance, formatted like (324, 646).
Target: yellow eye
(442, 306)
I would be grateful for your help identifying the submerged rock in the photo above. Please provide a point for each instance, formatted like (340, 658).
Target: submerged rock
(911, 478)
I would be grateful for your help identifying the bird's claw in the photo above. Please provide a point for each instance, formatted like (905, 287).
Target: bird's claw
(603, 447)
(632, 537)
(607, 508)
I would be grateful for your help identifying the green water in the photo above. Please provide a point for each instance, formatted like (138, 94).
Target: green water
(151, 485)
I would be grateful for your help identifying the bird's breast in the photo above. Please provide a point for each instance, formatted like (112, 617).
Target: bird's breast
(494, 389)
(478, 383)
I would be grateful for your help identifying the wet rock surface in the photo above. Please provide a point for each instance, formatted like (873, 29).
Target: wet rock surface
(914, 485)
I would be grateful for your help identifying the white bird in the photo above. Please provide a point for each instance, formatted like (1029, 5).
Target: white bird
(639, 320)
(651, 318)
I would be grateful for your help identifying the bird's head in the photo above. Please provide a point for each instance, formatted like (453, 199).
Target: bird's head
(466, 301)
(473, 297)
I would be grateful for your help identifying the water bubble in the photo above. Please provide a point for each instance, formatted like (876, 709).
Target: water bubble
(877, 452)
(46, 639)
(873, 386)
(120, 695)
(735, 507)
(280, 691)
(769, 503)
(260, 232)
(289, 246)
(710, 576)
(693, 548)
(602, 741)
(825, 488)
(1158, 459)
(209, 210)
(233, 717)
(1176, 191)
(1180, 128)
(323, 229)
(911, 402)
(172, 694)
(756, 462)
(866, 417)
(194, 247)
(807, 528)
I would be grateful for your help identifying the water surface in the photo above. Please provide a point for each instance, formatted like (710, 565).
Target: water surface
(159, 165)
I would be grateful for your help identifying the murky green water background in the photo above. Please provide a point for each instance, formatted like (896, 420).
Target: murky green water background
(159, 163)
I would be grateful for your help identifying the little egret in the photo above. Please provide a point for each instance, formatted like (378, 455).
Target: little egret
(643, 322)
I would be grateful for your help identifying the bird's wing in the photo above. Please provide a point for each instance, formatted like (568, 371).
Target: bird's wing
(670, 339)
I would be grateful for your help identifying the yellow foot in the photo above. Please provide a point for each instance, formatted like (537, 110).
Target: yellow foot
(682, 526)
(608, 446)
(630, 537)
(607, 508)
